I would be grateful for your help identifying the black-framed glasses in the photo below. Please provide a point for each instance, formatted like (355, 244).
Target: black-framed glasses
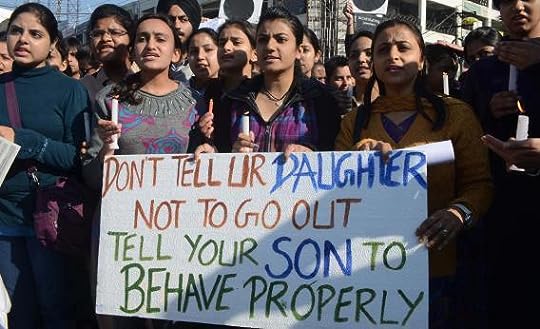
(98, 34)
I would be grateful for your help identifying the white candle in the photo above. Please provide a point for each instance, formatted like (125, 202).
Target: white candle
(446, 86)
(512, 78)
(522, 133)
(522, 130)
(87, 136)
(114, 118)
(245, 123)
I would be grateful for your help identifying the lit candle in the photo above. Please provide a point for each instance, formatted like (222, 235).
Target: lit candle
(245, 123)
(522, 130)
(114, 118)
(211, 106)
(446, 86)
(512, 78)
(86, 117)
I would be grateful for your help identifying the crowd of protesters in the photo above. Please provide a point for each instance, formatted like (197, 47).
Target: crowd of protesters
(390, 91)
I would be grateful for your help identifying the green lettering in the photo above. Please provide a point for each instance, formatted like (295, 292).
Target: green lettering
(412, 306)
(340, 304)
(128, 246)
(222, 291)
(193, 245)
(275, 299)
(297, 315)
(220, 259)
(322, 302)
(178, 291)
(117, 236)
(192, 291)
(246, 253)
(159, 257)
(208, 300)
(403, 255)
(254, 297)
(134, 287)
(151, 289)
(360, 305)
(207, 243)
(383, 308)
(374, 247)
(141, 245)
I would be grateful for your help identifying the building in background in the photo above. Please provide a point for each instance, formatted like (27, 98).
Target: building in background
(5, 13)
(447, 20)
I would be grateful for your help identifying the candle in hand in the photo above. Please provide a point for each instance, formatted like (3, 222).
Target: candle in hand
(446, 86)
(86, 117)
(522, 130)
(211, 106)
(245, 123)
(114, 118)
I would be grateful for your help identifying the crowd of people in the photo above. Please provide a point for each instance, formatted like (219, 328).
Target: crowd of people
(390, 91)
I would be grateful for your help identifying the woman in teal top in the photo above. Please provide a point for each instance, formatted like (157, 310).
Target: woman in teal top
(51, 107)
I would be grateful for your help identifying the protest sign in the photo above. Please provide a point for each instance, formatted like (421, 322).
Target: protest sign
(321, 240)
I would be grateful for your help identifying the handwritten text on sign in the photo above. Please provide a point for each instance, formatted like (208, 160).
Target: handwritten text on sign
(321, 240)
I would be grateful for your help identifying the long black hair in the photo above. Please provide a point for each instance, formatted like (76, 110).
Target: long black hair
(125, 89)
(420, 86)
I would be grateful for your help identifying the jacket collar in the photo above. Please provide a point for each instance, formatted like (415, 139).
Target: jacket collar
(302, 87)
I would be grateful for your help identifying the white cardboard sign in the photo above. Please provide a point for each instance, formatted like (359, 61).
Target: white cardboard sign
(323, 240)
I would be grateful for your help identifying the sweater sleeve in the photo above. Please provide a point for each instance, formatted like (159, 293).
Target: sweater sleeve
(59, 154)
(92, 170)
(344, 139)
(329, 119)
(474, 186)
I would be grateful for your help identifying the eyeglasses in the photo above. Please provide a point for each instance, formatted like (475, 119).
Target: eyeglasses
(115, 34)
(182, 19)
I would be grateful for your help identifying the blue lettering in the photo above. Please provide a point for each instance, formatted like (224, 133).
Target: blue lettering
(280, 179)
(412, 170)
(288, 269)
(321, 184)
(390, 168)
(317, 259)
(301, 173)
(348, 174)
(370, 169)
(330, 248)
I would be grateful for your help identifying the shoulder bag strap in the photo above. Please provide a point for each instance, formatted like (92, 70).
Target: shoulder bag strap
(12, 104)
(15, 121)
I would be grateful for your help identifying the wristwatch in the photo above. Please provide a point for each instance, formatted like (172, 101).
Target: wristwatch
(466, 214)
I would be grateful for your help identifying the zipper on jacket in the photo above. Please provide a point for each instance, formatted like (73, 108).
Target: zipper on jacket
(250, 101)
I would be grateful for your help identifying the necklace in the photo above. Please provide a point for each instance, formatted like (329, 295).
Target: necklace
(278, 101)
